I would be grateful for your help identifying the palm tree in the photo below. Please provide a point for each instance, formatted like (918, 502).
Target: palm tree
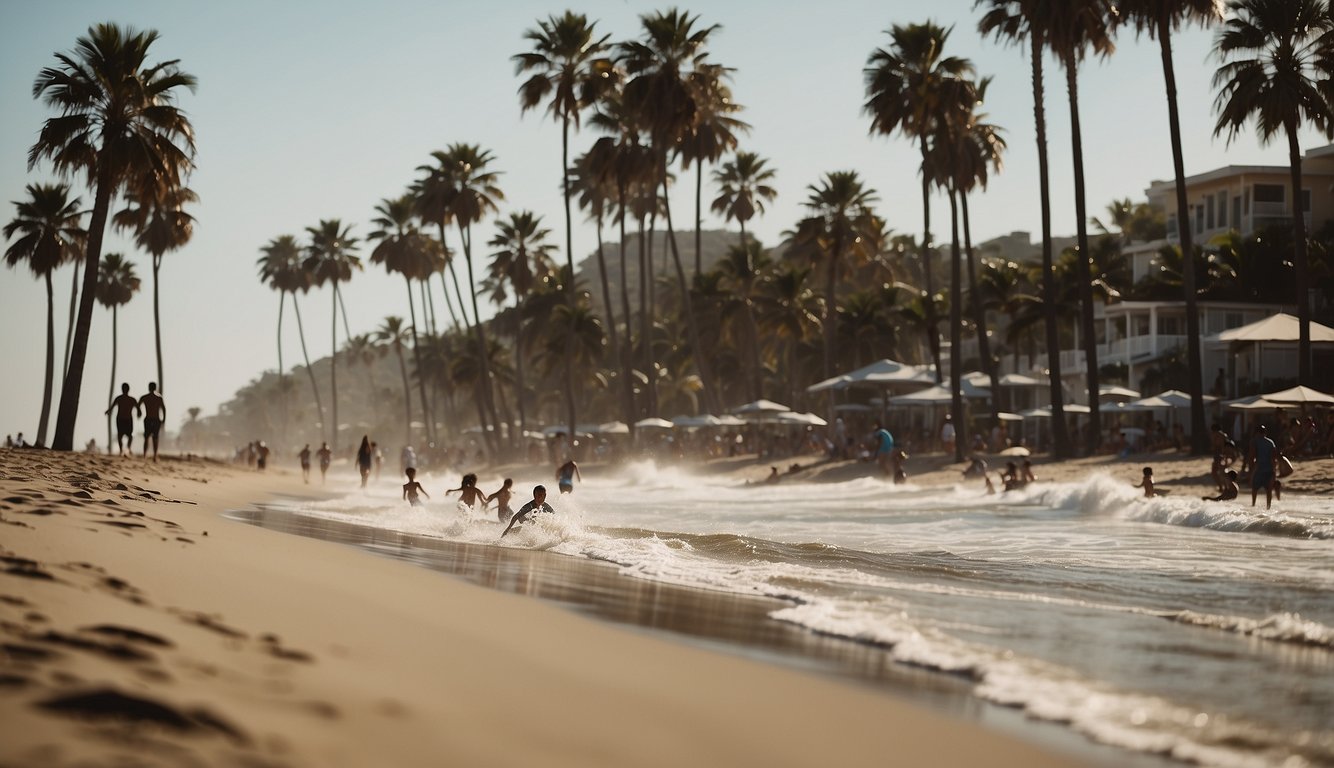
(49, 235)
(909, 85)
(743, 190)
(393, 335)
(117, 124)
(841, 225)
(160, 224)
(1159, 18)
(521, 255)
(475, 195)
(1015, 21)
(713, 133)
(281, 268)
(1278, 61)
(789, 312)
(433, 194)
(330, 258)
(1076, 28)
(116, 285)
(403, 249)
(660, 96)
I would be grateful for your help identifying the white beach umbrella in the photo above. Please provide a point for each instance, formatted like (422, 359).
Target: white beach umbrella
(704, 420)
(1252, 403)
(792, 417)
(759, 408)
(654, 422)
(727, 420)
(881, 373)
(836, 382)
(611, 428)
(1110, 392)
(1299, 395)
(1045, 411)
(1015, 450)
(1279, 327)
(1020, 380)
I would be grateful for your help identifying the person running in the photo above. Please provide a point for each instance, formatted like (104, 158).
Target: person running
(502, 499)
(537, 505)
(154, 412)
(1263, 457)
(469, 493)
(364, 459)
(326, 456)
(411, 488)
(126, 409)
(565, 476)
(305, 463)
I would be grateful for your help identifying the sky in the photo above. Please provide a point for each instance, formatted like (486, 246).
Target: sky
(315, 110)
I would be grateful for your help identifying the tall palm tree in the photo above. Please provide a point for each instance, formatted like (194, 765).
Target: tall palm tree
(659, 94)
(47, 224)
(1278, 60)
(330, 258)
(160, 224)
(118, 125)
(840, 226)
(116, 285)
(789, 312)
(1016, 21)
(404, 250)
(281, 267)
(521, 255)
(591, 180)
(713, 133)
(1078, 27)
(1159, 18)
(909, 85)
(393, 335)
(433, 194)
(742, 266)
(476, 193)
(743, 189)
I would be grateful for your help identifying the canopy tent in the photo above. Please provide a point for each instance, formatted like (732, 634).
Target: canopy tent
(759, 407)
(792, 417)
(1280, 327)
(1172, 398)
(1252, 403)
(1109, 392)
(653, 422)
(1298, 395)
(940, 394)
(881, 373)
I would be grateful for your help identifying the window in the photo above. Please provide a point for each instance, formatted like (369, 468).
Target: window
(1169, 326)
(1246, 200)
(1222, 208)
(1199, 219)
(1209, 208)
(1233, 320)
(1236, 212)
(1306, 201)
(1269, 193)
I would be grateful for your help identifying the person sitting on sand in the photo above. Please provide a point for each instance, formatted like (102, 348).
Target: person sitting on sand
(1147, 485)
(537, 505)
(305, 463)
(502, 499)
(326, 456)
(565, 475)
(155, 411)
(1229, 490)
(469, 493)
(411, 488)
(126, 409)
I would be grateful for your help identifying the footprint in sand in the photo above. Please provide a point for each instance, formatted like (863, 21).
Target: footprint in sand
(109, 705)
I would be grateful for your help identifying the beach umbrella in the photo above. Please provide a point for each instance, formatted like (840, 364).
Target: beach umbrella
(654, 422)
(881, 373)
(611, 428)
(1045, 411)
(836, 382)
(1172, 398)
(792, 417)
(940, 394)
(1279, 327)
(1020, 380)
(727, 420)
(853, 408)
(1298, 395)
(1110, 392)
(1015, 450)
(704, 420)
(557, 429)
(1252, 403)
(759, 408)
(1112, 407)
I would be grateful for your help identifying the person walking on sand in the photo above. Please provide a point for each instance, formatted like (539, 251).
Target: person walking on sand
(364, 459)
(154, 413)
(411, 488)
(537, 505)
(565, 475)
(326, 456)
(1263, 457)
(469, 493)
(502, 499)
(126, 409)
(305, 463)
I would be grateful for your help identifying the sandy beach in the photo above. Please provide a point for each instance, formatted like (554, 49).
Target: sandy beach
(140, 627)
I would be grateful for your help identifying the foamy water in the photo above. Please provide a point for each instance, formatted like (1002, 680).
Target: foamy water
(1203, 631)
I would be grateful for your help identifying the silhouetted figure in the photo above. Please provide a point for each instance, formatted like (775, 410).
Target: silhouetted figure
(261, 455)
(411, 488)
(326, 456)
(469, 493)
(126, 409)
(502, 499)
(565, 475)
(154, 412)
(364, 459)
(305, 463)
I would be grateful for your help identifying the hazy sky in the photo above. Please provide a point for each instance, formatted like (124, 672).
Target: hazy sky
(311, 110)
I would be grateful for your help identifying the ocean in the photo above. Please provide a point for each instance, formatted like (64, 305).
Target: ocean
(1201, 632)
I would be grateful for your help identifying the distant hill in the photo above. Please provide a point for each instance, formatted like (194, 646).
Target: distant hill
(713, 244)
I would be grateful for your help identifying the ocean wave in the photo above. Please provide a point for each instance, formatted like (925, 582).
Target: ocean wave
(1279, 627)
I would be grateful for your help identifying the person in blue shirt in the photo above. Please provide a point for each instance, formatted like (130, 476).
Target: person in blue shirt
(884, 449)
(1263, 457)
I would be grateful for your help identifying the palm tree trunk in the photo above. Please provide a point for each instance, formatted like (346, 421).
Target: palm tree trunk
(333, 367)
(282, 391)
(1299, 260)
(645, 328)
(157, 323)
(606, 290)
(416, 361)
(626, 359)
(50, 360)
(956, 332)
(520, 385)
(487, 407)
(752, 327)
(407, 394)
(111, 388)
(68, 412)
(458, 292)
(69, 332)
(697, 352)
(830, 319)
(1060, 436)
(699, 215)
(1199, 438)
(449, 305)
(301, 332)
(932, 338)
(979, 312)
(1082, 273)
(566, 363)
(428, 302)
(428, 413)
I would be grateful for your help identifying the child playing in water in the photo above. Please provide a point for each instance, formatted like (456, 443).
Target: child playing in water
(502, 499)
(1147, 485)
(411, 488)
(469, 493)
(1229, 491)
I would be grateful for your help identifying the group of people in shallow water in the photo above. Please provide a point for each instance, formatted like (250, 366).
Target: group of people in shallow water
(1264, 463)
(471, 496)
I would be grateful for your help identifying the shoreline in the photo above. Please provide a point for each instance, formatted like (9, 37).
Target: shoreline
(139, 625)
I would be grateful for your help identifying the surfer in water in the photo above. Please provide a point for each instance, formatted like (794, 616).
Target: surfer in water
(538, 504)
(411, 488)
(565, 476)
